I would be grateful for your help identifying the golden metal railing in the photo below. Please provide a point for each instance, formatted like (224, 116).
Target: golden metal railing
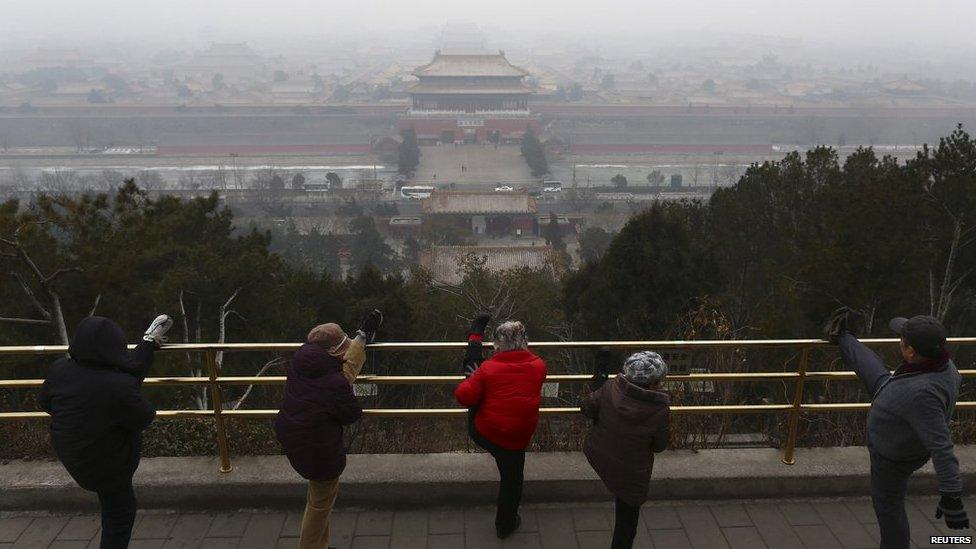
(214, 381)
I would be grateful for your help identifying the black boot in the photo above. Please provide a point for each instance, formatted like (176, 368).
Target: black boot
(504, 532)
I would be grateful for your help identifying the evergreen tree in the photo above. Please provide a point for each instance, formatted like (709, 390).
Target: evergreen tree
(553, 234)
(369, 248)
(408, 155)
(534, 154)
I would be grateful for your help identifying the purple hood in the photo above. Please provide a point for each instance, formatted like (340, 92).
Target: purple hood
(318, 402)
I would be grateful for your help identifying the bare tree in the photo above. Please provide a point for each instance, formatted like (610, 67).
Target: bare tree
(38, 283)
(58, 181)
(942, 293)
(190, 180)
(730, 174)
(201, 399)
(150, 180)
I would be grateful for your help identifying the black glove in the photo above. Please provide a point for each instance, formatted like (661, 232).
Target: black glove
(838, 324)
(479, 323)
(370, 324)
(601, 370)
(955, 514)
(469, 368)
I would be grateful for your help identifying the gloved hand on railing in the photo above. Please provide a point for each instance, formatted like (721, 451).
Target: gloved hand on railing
(950, 506)
(371, 323)
(601, 369)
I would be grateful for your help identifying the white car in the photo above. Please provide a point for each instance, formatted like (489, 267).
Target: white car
(552, 189)
(503, 189)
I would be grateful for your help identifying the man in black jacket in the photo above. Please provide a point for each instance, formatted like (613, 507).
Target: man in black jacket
(98, 414)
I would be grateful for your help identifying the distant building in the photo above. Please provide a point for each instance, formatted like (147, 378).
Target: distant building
(234, 61)
(486, 212)
(446, 263)
(402, 226)
(566, 225)
(471, 98)
(295, 92)
(42, 57)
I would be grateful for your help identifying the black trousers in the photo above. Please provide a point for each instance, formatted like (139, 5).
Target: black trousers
(118, 515)
(889, 486)
(511, 469)
(625, 525)
(118, 499)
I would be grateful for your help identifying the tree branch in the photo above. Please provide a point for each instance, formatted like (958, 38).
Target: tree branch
(31, 321)
(98, 299)
(30, 295)
(50, 278)
(269, 364)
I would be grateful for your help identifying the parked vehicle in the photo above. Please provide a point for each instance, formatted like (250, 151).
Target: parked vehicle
(416, 192)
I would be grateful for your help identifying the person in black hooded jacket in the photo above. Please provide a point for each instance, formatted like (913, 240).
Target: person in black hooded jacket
(98, 414)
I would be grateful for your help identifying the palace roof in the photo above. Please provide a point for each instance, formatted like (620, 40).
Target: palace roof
(469, 65)
(479, 202)
(474, 88)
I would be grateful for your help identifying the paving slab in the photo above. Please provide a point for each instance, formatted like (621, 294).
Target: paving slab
(750, 524)
(11, 528)
(40, 533)
(730, 515)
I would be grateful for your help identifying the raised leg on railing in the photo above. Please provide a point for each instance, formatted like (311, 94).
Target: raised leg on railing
(222, 446)
(795, 412)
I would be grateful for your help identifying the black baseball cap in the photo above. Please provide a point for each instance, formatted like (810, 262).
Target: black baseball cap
(924, 333)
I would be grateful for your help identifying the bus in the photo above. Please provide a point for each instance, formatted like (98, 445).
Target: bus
(416, 191)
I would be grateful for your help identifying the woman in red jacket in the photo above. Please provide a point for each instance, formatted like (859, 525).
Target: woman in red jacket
(502, 394)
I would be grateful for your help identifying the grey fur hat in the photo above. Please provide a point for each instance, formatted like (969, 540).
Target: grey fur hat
(509, 336)
(645, 368)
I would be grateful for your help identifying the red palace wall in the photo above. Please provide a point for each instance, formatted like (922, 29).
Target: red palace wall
(506, 127)
(245, 150)
(637, 148)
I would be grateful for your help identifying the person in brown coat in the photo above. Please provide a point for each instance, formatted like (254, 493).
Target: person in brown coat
(631, 422)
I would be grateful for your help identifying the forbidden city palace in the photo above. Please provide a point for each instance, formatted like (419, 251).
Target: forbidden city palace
(471, 98)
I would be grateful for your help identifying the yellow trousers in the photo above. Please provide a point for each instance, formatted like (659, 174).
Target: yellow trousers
(318, 507)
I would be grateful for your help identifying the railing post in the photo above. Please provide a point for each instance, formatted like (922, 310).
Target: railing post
(795, 412)
(216, 398)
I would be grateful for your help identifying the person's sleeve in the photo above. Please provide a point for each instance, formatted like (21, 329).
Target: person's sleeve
(590, 404)
(868, 366)
(44, 397)
(135, 412)
(930, 423)
(355, 357)
(473, 353)
(344, 406)
(141, 359)
(663, 435)
(471, 391)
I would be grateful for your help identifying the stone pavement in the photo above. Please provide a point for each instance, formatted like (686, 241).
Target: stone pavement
(484, 166)
(809, 523)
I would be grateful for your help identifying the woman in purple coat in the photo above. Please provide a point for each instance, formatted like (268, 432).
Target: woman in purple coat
(318, 402)
(631, 422)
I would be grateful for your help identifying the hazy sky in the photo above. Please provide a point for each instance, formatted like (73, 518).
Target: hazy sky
(904, 23)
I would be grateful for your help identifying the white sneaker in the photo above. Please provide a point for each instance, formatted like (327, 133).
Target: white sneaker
(157, 330)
